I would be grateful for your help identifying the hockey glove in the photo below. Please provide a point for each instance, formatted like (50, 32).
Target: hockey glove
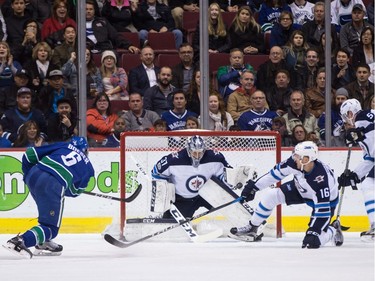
(354, 135)
(348, 178)
(311, 240)
(248, 193)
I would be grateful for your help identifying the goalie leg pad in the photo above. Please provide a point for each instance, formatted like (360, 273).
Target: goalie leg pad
(163, 193)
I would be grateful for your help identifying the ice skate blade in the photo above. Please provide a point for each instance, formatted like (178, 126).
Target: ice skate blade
(46, 253)
(247, 238)
(23, 253)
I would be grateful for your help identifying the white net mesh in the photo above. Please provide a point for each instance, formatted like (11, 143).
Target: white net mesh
(140, 151)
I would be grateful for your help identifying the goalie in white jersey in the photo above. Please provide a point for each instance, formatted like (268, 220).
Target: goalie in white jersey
(313, 184)
(361, 131)
(188, 170)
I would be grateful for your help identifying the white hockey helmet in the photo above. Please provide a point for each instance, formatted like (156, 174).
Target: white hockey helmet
(196, 148)
(308, 149)
(350, 105)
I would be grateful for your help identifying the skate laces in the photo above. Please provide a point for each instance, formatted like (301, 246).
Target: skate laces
(244, 229)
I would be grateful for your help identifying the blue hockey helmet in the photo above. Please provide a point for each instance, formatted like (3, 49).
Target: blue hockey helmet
(80, 143)
(196, 148)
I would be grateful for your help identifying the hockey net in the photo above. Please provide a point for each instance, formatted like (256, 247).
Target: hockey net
(141, 150)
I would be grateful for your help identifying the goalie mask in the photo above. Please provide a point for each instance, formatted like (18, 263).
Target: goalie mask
(349, 109)
(195, 148)
(305, 149)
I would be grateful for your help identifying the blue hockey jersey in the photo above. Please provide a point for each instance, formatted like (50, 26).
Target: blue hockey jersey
(69, 165)
(177, 169)
(176, 121)
(256, 121)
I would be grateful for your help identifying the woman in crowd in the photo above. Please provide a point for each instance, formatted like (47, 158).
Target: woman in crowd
(245, 33)
(193, 94)
(365, 52)
(115, 80)
(40, 66)
(282, 30)
(100, 120)
(8, 66)
(218, 38)
(322, 49)
(31, 37)
(94, 82)
(219, 120)
(192, 123)
(53, 27)
(299, 134)
(270, 12)
(29, 135)
(295, 51)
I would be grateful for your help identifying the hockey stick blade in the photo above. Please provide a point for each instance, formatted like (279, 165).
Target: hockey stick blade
(188, 229)
(118, 243)
(129, 199)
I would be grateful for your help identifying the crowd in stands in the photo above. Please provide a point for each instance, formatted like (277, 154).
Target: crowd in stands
(271, 73)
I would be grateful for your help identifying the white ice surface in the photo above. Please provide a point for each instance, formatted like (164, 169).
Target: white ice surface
(89, 257)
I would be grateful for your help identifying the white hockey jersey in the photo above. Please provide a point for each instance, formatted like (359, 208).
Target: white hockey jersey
(340, 14)
(301, 14)
(177, 169)
(319, 188)
(365, 119)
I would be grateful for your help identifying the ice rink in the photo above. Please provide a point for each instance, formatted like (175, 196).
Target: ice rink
(89, 258)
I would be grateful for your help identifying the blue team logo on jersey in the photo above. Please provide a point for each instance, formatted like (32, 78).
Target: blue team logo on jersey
(319, 179)
(193, 184)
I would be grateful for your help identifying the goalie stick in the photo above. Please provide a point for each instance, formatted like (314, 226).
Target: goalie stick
(128, 199)
(118, 243)
(189, 229)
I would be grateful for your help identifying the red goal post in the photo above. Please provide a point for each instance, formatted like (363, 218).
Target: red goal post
(139, 152)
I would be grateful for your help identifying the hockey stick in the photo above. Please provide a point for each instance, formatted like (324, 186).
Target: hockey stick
(129, 199)
(343, 190)
(195, 237)
(118, 243)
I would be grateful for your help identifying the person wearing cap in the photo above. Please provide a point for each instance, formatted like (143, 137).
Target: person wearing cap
(341, 11)
(8, 95)
(54, 91)
(13, 118)
(350, 32)
(337, 123)
(62, 125)
(101, 35)
(115, 80)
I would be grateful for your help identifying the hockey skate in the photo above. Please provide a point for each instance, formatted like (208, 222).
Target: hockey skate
(368, 236)
(17, 246)
(247, 233)
(338, 238)
(48, 248)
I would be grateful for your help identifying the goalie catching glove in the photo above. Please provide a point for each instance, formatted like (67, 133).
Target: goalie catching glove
(348, 178)
(248, 193)
(355, 135)
(311, 240)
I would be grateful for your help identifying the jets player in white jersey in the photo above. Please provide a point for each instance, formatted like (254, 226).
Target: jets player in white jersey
(313, 184)
(361, 131)
(188, 170)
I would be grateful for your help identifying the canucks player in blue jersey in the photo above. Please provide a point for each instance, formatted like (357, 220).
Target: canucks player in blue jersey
(189, 169)
(51, 172)
(361, 131)
(313, 184)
